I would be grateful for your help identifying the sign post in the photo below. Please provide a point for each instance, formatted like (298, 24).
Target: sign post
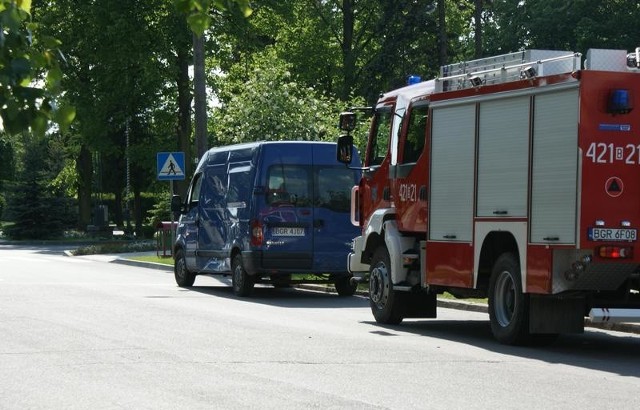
(170, 167)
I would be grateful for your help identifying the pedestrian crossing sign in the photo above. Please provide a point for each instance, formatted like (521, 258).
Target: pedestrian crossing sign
(170, 166)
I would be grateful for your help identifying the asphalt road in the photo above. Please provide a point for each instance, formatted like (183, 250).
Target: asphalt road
(82, 332)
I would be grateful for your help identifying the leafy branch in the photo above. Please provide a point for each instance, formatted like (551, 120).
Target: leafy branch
(30, 73)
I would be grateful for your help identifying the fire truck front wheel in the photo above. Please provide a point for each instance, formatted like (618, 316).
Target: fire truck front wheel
(386, 304)
(508, 306)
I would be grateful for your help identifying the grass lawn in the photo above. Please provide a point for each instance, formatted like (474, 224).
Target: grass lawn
(153, 258)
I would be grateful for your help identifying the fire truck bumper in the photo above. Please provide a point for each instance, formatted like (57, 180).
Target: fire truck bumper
(356, 267)
(606, 315)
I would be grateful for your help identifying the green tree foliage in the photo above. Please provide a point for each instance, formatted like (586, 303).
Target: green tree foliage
(123, 81)
(198, 11)
(38, 210)
(345, 48)
(268, 104)
(7, 168)
(284, 72)
(573, 25)
(30, 73)
(7, 160)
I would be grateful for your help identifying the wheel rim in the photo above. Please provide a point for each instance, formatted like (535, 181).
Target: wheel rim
(379, 285)
(505, 299)
(237, 277)
(180, 268)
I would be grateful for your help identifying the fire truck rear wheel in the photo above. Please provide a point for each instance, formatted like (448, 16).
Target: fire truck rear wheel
(240, 280)
(386, 304)
(508, 306)
(184, 278)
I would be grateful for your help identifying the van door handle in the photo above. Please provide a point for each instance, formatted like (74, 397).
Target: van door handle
(318, 223)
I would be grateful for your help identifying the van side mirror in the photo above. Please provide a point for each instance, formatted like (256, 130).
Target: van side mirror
(345, 149)
(176, 204)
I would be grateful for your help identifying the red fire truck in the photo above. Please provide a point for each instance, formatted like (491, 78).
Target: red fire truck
(513, 178)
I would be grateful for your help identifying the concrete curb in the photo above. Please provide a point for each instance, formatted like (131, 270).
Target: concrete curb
(151, 265)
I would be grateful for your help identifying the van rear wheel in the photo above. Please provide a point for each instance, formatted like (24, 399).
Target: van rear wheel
(241, 281)
(344, 287)
(184, 278)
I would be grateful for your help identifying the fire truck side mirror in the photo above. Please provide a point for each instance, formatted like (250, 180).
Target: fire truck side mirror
(344, 149)
(347, 121)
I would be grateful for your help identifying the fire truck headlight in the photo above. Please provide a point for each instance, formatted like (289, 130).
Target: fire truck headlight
(620, 102)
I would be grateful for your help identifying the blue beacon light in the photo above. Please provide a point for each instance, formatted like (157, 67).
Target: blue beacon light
(413, 79)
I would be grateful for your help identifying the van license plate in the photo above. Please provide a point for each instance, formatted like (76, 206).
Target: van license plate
(612, 234)
(287, 231)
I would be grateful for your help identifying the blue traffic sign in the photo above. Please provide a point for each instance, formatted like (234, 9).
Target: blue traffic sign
(170, 166)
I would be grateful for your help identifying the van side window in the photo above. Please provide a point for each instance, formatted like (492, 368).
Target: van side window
(214, 187)
(334, 188)
(240, 183)
(288, 185)
(414, 143)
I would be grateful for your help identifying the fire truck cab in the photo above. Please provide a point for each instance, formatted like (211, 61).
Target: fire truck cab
(512, 178)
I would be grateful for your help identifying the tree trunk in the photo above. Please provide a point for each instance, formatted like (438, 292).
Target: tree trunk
(184, 120)
(84, 168)
(348, 58)
(137, 215)
(118, 215)
(200, 95)
(478, 28)
(442, 33)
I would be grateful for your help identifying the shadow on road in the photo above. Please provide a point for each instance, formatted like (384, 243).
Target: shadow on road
(46, 249)
(287, 297)
(617, 353)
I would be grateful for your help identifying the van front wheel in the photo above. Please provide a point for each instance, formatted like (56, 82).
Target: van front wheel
(241, 281)
(184, 278)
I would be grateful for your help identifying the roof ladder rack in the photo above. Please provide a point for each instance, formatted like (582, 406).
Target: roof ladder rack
(506, 68)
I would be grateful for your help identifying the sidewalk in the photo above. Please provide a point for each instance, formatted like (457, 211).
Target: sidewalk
(125, 259)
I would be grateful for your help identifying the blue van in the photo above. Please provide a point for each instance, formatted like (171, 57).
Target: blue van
(267, 212)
